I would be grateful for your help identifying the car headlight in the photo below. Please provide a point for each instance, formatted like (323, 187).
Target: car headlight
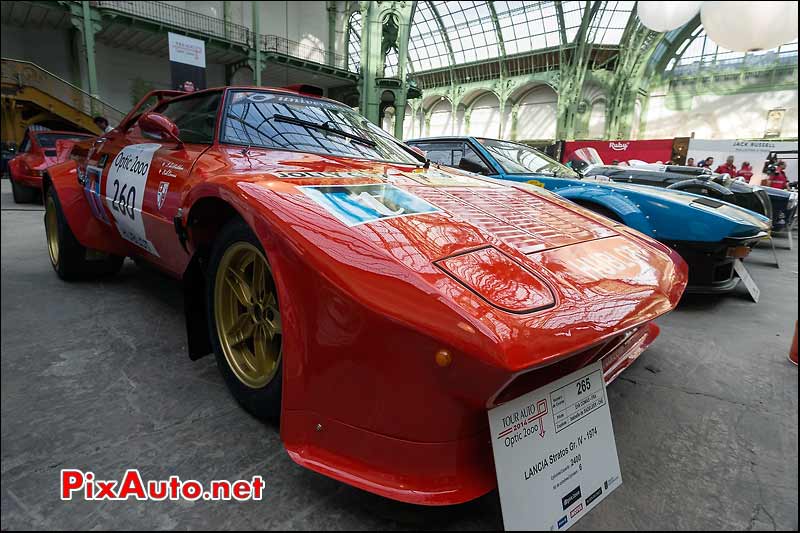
(499, 280)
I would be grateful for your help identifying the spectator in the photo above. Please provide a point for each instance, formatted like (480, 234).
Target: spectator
(707, 162)
(745, 172)
(102, 123)
(728, 168)
(778, 177)
(690, 162)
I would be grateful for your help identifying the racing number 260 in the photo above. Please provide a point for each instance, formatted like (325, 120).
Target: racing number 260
(124, 199)
(583, 385)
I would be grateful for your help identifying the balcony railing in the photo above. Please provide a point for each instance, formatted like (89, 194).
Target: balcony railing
(306, 52)
(181, 18)
(25, 74)
(185, 19)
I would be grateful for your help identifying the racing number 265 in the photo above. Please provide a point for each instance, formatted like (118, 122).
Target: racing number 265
(124, 199)
(583, 385)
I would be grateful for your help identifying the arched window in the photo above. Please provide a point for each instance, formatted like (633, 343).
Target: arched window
(354, 43)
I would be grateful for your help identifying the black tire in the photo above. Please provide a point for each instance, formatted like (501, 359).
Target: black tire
(23, 194)
(70, 261)
(263, 402)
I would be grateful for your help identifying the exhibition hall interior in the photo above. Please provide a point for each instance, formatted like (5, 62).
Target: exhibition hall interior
(392, 265)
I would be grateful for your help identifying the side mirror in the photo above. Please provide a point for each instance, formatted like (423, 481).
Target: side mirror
(159, 127)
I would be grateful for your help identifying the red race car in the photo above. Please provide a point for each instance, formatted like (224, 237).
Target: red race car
(377, 305)
(39, 150)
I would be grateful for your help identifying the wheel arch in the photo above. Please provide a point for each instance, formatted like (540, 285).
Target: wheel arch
(623, 208)
(206, 218)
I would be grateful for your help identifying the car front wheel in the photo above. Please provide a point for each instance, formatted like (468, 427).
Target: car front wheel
(245, 321)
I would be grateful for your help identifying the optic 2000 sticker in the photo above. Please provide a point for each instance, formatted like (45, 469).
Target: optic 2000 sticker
(125, 186)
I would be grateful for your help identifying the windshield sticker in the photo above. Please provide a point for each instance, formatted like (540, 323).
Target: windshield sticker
(359, 204)
(438, 178)
(355, 174)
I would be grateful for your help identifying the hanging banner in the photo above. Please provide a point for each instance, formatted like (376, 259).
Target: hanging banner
(754, 152)
(187, 62)
(650, 151)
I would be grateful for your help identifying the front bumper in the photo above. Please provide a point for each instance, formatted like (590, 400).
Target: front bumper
(710, 267)
(433, 473)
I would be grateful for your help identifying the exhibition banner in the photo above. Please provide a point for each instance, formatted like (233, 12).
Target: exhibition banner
(187, 62)
(755, 152)
(650, 151)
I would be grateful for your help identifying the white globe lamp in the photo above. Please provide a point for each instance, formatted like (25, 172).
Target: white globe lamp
(750, 26)
(666, 16)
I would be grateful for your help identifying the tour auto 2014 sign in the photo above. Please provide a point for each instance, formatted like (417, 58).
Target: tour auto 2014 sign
(554, 452)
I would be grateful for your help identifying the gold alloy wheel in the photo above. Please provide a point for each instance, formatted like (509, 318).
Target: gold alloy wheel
(247, 316)
(51, 228)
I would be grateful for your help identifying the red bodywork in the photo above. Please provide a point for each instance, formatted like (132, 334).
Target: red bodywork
(517, 284)
(28, 167)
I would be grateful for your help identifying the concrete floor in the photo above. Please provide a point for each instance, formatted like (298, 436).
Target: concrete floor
(95, 376)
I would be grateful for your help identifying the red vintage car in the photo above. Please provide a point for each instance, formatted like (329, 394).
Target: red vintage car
(376, 304)
(39, 150)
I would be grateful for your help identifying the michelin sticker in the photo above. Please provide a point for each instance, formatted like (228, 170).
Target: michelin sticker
(125, 186)
(359, 204)
(354, 174)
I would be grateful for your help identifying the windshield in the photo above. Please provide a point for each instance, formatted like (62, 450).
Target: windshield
(520, 159)
(48, 140)
(294, 122)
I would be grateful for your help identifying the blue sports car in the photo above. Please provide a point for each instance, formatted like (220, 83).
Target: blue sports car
(709, 234)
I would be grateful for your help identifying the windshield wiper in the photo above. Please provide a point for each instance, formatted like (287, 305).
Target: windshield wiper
(324, 127)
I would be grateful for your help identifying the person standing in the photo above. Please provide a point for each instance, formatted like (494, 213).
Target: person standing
(690, 162)
(777, 177)
(745, 172)
(728, 168)
(707, 162)
(102, 123)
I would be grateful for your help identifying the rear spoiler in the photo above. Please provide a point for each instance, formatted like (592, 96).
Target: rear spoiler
(133, 114)
(302, 88)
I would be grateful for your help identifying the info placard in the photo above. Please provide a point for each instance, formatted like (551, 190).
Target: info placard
(554, 452)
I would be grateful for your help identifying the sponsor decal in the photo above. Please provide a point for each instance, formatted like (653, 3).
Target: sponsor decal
(92, 183)
(608, 264)
(610, 481)
(363, 203)
(562, 521)
(618, 146)
(571, 497)
(593, 496)
(578, 509)
(536, 183)
(529, 416)
(163, 187)
(168, 169)
(124, 191)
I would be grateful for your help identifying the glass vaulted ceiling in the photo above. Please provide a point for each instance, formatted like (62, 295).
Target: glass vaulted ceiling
(448, 33)
(701, 52)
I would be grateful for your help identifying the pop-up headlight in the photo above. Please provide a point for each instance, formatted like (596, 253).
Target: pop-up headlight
(499, 280)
